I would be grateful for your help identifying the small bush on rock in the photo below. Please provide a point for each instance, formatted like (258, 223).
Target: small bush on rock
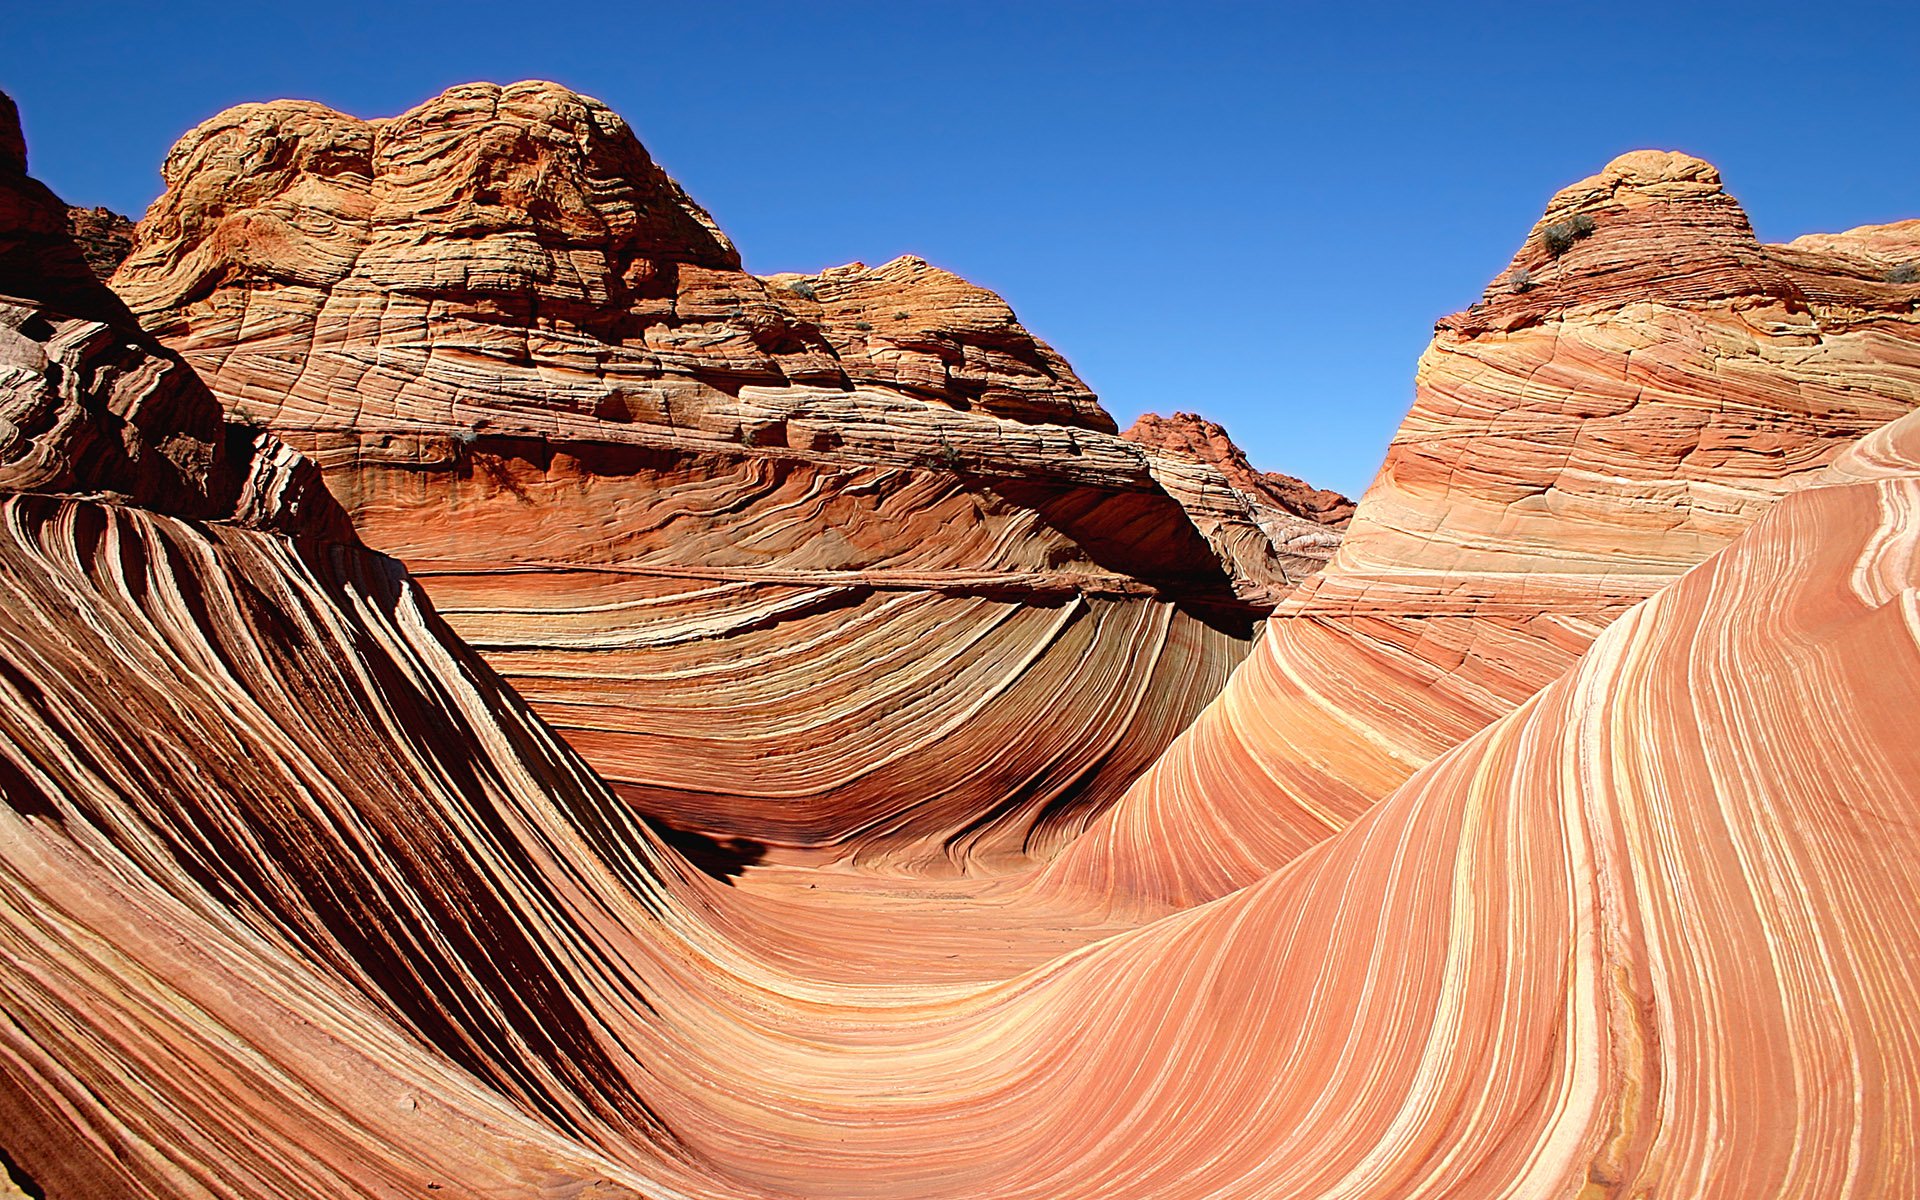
(1905, 273)
(1561, 235)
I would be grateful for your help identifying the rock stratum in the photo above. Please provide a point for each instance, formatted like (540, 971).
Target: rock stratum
(302, 899)
(775, 553)
(1609, 414)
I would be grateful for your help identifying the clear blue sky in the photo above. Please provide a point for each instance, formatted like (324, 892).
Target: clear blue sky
(1256, 211)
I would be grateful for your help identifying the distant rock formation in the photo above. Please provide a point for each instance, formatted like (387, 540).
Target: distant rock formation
(648, 484)
(1193, 436)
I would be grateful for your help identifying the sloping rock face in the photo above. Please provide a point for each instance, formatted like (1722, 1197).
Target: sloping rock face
(1642, 382)
(299, 900)
(846, 564)
(1258, 514)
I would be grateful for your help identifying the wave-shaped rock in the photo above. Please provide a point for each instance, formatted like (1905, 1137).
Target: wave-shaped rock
(297, 898)
(847, 564)
(1643, 381)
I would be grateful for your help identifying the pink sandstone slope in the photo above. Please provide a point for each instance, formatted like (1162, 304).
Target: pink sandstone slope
(301, 900)
(1574, 444)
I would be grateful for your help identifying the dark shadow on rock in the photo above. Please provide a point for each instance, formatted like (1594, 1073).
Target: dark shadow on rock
(720, 858)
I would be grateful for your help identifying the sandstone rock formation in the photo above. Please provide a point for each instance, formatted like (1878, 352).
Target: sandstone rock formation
(1642, 382)
(1191, 435)
(90, 404)
(834, 564)
(298, 899)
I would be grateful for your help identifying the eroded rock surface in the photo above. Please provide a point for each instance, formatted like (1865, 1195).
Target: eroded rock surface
(105, 238)
(1191, 435)
(299, 899)
(1642, 382)
(835, 564)
(90, 404)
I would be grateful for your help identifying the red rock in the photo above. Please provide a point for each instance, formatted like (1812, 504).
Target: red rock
(1574, 446)
(299, 900)
(91, 404)
(1193, 436)
(834, 564)
(105, 238)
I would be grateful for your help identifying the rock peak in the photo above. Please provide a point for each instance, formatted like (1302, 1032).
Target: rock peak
(1193, 436)
(1645, 168)
(1652, 225)
(1641, 177)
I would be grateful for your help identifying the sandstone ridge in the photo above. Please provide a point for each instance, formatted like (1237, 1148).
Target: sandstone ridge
(1642, 382)
(635, 475)
(300, 899)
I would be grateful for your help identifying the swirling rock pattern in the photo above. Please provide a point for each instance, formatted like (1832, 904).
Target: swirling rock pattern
(1642, 382)
(532, 368)
(298, 898)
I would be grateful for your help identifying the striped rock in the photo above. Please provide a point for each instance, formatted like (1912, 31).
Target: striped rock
(300, 900)
(1575, 443)
(845, 565)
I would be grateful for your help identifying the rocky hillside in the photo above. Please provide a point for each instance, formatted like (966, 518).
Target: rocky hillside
(790, 559)
(1575, 444)
(1558, 840)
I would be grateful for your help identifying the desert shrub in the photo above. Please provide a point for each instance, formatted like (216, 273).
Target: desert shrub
(1907, 272)
(803, 289)
(863, 326)
(1521, 280)
(1561, 235)
(901, 316)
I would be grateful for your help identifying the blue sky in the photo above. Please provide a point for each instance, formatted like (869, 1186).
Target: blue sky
(1255, 211)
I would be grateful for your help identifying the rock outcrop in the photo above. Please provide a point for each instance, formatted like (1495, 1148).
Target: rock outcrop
(90, 404)
(105, 238)
(298, 899)
(1642, 382)
(832, 564)
(1191, 435)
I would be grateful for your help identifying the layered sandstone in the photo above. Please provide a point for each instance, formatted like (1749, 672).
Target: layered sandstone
(299, 899)
(842, 564)
(90, 404)
(1192, 436)
(1642, 382)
